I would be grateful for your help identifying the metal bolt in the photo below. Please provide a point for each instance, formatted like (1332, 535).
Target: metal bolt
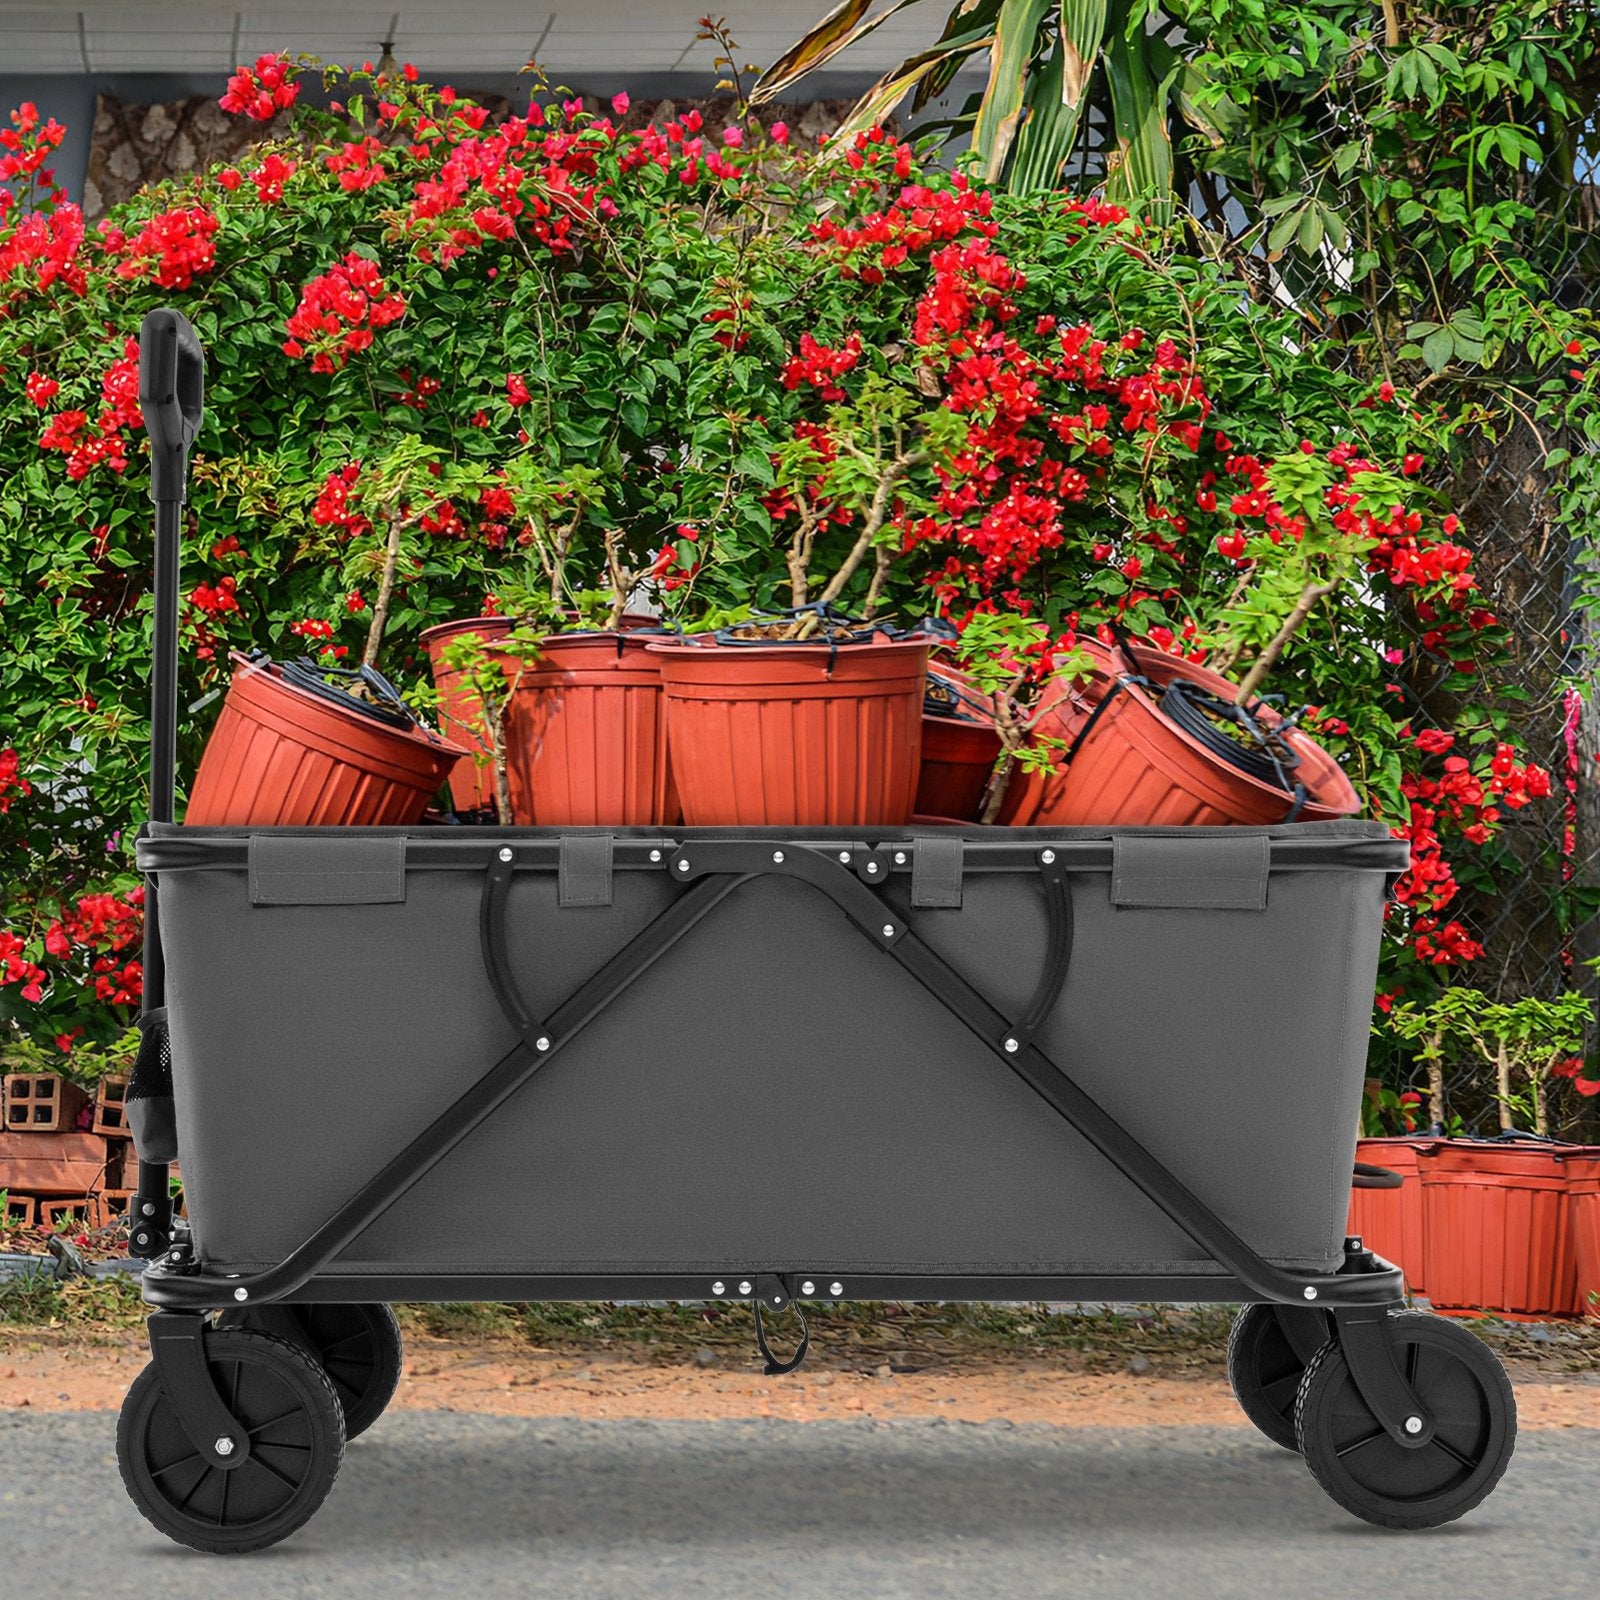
(1011, 1047)
(148, 1208)
(541, 1044)
(683, 866)
(1047, 856)
(777, 1299)
(872, 866)
(777, 855)
(719, 1287)
(141, 1239)
(808, 1287)
(844, 856)
(241, 1294)
(1354, 1244)
(1311, 1294)
(888, 930)
(899, 858)
(223, 1446)
(505, 853)
(835, 1288)
(655, 855)
(744, 1288)
(1413, 1425)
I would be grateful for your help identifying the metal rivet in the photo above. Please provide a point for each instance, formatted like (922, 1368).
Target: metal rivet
(888, 930)
(777, 1300)
(872, 866)
(777, 855)
(683, 866)
(141, 1238)
(148, 1208)
(1413, 1425)
(844, 856)
(1311, 1294)
(505, 854)
(241, 1294)
(1047, 856)
(541, 1044)
(1011, 1047)
(719, 1287)
(1355, 1244)
(655, 855)
(835, 1288)
(808, 1287)
(744, 1288)
(899, 858)
(223, 1446)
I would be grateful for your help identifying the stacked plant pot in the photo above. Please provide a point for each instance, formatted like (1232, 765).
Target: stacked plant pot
(776, 732)
(288, 748)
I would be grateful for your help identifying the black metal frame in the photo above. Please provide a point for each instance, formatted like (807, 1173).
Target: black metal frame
(1360, 1294)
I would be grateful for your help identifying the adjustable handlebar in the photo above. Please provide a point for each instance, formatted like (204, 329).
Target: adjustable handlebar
(172, 387)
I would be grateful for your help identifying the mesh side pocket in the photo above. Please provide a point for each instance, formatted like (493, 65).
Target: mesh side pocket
(148, 1101)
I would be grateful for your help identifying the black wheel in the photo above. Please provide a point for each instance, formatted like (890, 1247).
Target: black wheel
(1265, 1370)
(359, 1347)
(1352, 1456)
(286, 1405)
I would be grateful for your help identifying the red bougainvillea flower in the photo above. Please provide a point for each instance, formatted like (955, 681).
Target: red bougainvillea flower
(106, 444)
(339, 312)
(270, 177)
(333, 508)
(230, 178)
(358, 164)
(260, 93)
(172, 249)
(41, 390)
(517, 389)
(12, 784)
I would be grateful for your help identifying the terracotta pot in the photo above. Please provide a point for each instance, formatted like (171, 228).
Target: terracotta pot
(460, 715)
(1497, 1221)
(1583, 1191)
(1390, 1221)
(585, 735)
(1135, 766)
(807, 734)
(280, 754)
(959, 749)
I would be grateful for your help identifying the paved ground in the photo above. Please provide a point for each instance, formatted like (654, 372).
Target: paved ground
(436, 1504)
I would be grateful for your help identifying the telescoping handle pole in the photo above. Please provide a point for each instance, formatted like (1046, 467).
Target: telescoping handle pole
(172, 381)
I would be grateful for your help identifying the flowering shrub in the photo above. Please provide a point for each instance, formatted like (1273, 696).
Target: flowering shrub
(456, 365)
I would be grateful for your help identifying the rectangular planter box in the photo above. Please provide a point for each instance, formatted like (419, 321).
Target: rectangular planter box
(1390, 1221)
(1498, 1228)
(772, 1092)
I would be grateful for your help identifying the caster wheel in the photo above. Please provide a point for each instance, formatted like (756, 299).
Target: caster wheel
(1463, 1385)
(359, 1347)
(288, 1408)
(1265, 1369)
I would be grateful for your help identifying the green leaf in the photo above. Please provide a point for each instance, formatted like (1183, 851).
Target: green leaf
(1437, 348)
(1011, 56)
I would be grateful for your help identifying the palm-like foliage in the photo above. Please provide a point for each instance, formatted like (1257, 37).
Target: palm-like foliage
(1091, 85)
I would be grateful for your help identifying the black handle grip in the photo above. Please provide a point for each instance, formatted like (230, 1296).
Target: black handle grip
(172, 389)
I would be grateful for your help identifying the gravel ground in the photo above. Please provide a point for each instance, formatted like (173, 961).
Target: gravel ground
(433, 1503)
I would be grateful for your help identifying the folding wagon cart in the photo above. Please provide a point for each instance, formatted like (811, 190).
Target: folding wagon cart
(761, 1065)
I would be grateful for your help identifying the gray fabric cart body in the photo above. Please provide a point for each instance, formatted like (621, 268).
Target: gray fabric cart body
(769, 1092)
